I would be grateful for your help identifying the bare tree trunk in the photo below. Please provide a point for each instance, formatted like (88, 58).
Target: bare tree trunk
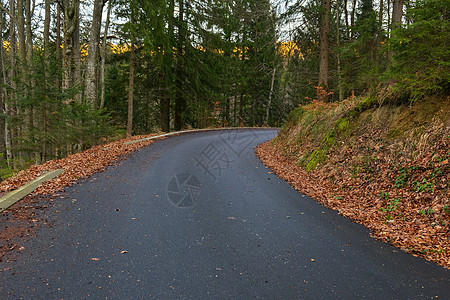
(103, 56)
(380, 16)
(131, 83)
(338, 43)
(164, 116)
(92, 60)
(241, 110)
(179, 100)
(9, 108)
(70, 23)
(323, 87)
(32, 122)
(352, 23)
(347, 26)
(3, 93)
(47, 20)
(22, 54)
(389, 17)
(397, 14)
(29, 34)
(58, 40)
(269, 102)
(77, 78)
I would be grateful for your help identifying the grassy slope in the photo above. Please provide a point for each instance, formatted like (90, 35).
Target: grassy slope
(385, 166)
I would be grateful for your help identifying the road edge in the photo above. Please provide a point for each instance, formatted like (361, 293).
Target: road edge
(15, 196)
(194, 131)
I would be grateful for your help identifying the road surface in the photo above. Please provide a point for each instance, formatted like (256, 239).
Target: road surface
(198, 216)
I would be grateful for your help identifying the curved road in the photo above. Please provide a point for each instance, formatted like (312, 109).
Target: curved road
(198, 216)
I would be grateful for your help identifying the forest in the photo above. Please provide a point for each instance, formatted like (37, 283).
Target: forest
(75, 74)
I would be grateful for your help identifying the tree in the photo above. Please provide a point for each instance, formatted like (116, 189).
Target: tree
(323, 87)
(91, 88)
(397, 13)
(131, 81)
(70, 10)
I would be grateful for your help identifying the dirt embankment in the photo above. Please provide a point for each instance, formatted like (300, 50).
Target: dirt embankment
(383, 165)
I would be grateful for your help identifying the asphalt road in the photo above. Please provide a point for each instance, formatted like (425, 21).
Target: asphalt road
(198, 216)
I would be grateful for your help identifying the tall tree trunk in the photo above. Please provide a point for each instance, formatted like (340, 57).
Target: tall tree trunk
(29, 34)
(47, 19)
(77, 80)
(103, 56)
(70, 24)
(269, 103)
(352, 23)
(397, 13)
(164, 106)
(93, 54)
(323, 87)
(32, 122)
(179, 99)
(131, 82)
(380, 15)
(58, 41)
(22, 54)
(9, 110)
(347, 26)
(165, 110)
(338, 43)
(3, 94)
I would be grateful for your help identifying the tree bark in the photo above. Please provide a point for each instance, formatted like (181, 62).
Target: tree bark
(269, 102)
(58, 41)
(93, 54)
(77, 80)
(380, 16)
(70, 24)
(397, 14)
(352, 21)
(347, 26)
(22, 53)
(323, 87)
(9, 110)
(179, 99)
(103, 56)
(164, 106)
(338, 56)
(3, 93)
(47, 19)
(131, 81)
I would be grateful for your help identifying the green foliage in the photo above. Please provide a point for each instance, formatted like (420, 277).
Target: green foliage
(320, 154)
(5, 170)
(423, 186)
(362, 59)
(421, 64)
(390, 208)
(403, 176)
(426, 212)
(446, 209)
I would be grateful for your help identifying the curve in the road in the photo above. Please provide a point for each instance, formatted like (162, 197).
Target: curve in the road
(198, 216)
